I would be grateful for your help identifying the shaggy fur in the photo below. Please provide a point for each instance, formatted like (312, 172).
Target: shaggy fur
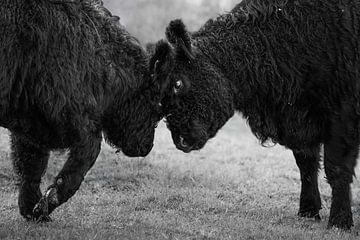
(292, 69)
(68, 72)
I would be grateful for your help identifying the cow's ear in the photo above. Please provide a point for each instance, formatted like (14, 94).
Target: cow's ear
(161, 63)
(179, 37)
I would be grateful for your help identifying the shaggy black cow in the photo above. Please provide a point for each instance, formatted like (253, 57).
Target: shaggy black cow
(291, 68)
(68, 72)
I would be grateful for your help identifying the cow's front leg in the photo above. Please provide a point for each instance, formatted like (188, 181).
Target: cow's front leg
(29, 163)
(81, 158)
(308, 163)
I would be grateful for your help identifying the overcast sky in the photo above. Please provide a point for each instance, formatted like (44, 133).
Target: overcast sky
(147, 19)
(225, 4)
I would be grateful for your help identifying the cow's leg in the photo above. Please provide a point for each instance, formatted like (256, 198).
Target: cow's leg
(340, 154)
(29, 163)
(308, 163)
(82, 157)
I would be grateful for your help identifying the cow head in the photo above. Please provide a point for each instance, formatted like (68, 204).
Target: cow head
(197, 99)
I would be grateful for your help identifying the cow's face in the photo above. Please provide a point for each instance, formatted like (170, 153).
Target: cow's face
(130, 126)
(197, 99)
(139, 130)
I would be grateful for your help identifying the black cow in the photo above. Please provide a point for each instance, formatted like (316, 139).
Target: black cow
(68, 73)
(291, 68)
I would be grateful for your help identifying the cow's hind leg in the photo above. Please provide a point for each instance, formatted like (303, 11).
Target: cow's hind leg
(81, 158)
(29, 162)
(340, 154)
(310, 202)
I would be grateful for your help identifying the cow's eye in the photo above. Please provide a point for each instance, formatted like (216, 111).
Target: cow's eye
(178, 86)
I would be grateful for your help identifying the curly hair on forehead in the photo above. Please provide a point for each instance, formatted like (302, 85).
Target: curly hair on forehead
(68, 72)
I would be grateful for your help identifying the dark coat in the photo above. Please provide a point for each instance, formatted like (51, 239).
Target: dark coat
(68, 73)
(290, 67)
(71, 67)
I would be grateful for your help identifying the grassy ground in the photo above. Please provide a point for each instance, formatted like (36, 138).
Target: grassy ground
(232, 189)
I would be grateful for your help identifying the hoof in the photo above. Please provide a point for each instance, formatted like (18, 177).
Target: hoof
(44, 219)
(310, 214)
(45, 206)
(343, 224)
(37, 218)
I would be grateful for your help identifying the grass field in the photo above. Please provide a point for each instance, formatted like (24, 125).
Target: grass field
(232, 189)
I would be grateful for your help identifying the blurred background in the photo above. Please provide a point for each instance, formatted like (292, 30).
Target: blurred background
(147, 19)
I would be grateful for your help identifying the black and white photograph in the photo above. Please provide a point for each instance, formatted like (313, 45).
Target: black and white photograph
(179, 119)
